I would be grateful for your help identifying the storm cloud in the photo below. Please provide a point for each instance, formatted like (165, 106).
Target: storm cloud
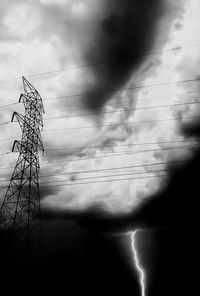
(116, 40)
(121, 41)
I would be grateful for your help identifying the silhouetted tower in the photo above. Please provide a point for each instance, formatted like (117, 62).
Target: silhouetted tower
(20, 211)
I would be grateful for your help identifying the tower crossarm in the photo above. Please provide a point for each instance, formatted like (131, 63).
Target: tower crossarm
(30, 130)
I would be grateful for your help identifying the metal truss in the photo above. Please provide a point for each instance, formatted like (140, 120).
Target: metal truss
(20, 211)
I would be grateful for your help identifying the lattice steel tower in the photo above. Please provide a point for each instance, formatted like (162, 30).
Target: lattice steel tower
(20, 210)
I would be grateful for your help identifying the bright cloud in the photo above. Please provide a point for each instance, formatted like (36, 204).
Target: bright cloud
(42, 36)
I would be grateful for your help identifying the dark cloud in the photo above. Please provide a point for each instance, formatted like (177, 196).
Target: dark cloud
(178, 26)
(90, 256)
(46, 191)
(173, 212)
(122, 39)
(171, 207)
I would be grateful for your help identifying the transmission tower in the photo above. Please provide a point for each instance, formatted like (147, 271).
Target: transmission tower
(20, 211)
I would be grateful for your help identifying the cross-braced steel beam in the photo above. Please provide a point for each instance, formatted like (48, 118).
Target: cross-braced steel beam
(20, 211)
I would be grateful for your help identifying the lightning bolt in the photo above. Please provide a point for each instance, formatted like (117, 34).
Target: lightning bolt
(139, 268)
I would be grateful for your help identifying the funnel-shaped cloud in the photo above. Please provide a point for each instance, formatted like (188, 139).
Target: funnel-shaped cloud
(123, 38)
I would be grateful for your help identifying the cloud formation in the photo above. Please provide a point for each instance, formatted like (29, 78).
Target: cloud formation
(70, 34)
(121, 40)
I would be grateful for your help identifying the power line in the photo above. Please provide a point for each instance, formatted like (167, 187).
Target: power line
(60, 97)
(7, 139)
(95, 182)
(113, 168)
(97, 177)
(105, 62)
(108, 176)
(104, 176)
(11, 104)
(4, 123)
(131, 152)
(104, 181)
(117, 111)
(6, 168)
(124, 99)
(187, 103)
(109, 169)
(123, 145)
(124, 110)
(101, 181)
(5, 153)
(113, 62)
(119, 154)
(119, 124)
(127, 88)
(112, 146)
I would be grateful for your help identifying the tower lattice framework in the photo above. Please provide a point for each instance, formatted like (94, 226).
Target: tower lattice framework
(20, 211)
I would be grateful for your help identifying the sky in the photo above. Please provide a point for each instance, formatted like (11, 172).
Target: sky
(114, 81)
(120, 85)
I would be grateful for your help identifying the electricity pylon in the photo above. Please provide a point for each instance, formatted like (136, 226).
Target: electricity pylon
(20, 211)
